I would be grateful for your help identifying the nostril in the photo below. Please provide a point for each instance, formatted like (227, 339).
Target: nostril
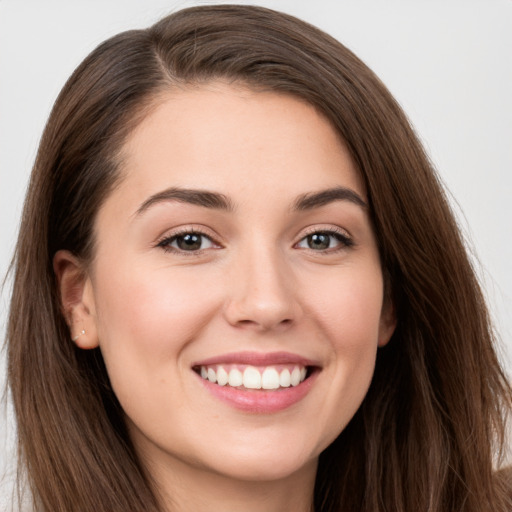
(264, 324)
(247, 322)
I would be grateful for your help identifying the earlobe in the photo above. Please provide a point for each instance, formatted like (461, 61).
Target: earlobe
(387, 323)
(76, 299)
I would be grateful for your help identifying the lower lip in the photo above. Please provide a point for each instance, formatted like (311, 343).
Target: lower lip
(260, 401)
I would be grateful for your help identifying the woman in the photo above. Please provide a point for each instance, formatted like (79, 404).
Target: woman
(238, 284)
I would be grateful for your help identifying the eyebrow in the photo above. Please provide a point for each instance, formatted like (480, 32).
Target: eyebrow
(202, 198)
(217, 201)
(324, 197)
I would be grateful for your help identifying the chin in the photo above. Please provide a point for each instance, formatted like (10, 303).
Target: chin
(272, 460)
(260, 469)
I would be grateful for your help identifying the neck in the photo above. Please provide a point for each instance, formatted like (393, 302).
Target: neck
(182, 489)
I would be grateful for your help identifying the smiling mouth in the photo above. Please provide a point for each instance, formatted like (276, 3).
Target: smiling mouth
(272, 377)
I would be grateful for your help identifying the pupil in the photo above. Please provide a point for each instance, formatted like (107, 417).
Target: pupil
(319, 241)
(189, 242)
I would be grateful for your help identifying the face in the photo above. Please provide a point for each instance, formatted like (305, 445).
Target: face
(236, 291)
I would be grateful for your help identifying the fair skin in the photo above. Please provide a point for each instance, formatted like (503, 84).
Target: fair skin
(275, 269)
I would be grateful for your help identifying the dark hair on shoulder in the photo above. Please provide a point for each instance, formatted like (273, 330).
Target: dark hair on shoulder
(431, 430)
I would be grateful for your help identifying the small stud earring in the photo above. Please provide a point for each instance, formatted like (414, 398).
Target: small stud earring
(78, 335)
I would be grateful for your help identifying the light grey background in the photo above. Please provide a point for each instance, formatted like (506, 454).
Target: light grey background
(448, 62)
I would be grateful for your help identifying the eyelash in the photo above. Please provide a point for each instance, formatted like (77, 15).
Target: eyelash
(165, 243)
(344, 240)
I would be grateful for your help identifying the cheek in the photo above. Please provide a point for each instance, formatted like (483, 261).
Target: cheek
(348, 312)
(146, 317)
(349, 307)
(353, 327)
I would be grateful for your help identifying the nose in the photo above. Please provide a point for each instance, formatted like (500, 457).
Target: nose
(261, 292)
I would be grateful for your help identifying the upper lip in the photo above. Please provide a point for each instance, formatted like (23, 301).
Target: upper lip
(257, 359)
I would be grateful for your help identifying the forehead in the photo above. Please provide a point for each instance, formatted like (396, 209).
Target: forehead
(218, 135)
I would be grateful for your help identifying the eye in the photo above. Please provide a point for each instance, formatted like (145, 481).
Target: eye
(188, 241)
(325, 240)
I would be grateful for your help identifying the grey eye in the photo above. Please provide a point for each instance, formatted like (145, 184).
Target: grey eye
(187, 242)
(323, 240)
(319, 241)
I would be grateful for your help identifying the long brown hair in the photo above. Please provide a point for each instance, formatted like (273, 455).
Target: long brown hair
(430, 431)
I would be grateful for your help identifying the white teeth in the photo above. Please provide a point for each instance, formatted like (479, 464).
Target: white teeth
(284, 378)
(212, 376)
(295, 376)
(254, 378)
(235, 378)
(270, 379)
(222, 376)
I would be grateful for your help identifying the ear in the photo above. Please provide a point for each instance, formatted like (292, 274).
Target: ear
(76, 299)
(387, 324)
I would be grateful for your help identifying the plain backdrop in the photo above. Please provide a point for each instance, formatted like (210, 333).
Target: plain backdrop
(448, 62)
